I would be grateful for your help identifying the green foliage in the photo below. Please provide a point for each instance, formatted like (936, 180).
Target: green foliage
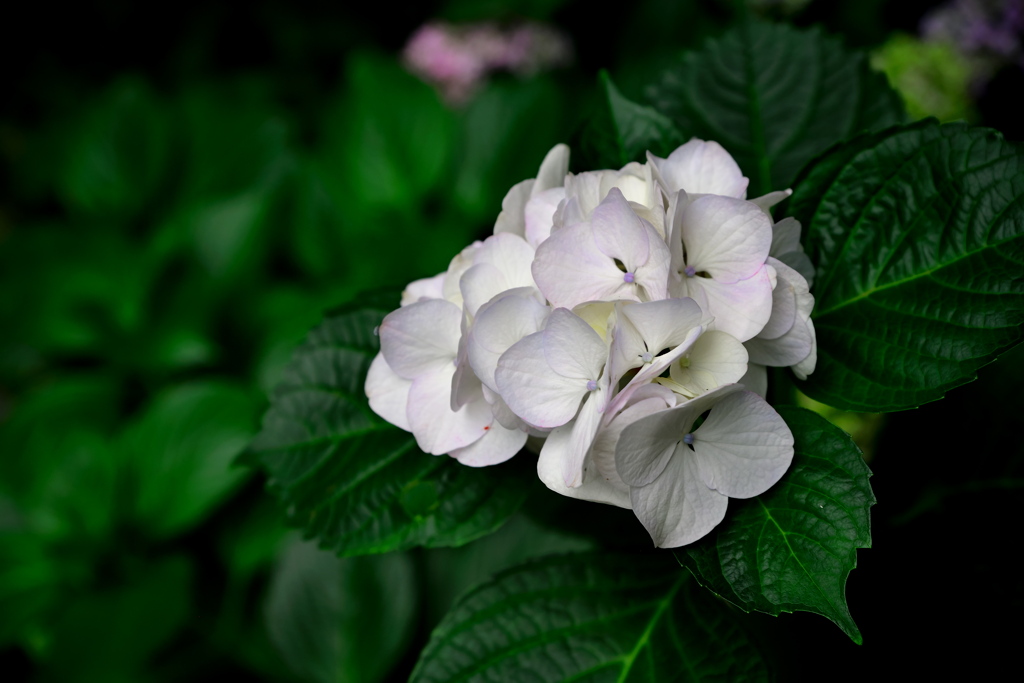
(624, 131)
(177, 454)
(918, 236)
(933, 78)
(590, 617)
(775, 97)
(793, 547)
(118, 153)
(354, 481)
(336, 620)
(109, 634)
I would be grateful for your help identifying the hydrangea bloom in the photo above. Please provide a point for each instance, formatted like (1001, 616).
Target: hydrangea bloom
(622, 318)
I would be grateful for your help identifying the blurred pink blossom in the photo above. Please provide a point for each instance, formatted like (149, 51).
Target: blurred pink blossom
(457, 59)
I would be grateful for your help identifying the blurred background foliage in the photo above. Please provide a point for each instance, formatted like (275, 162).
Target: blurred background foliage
(184, 191)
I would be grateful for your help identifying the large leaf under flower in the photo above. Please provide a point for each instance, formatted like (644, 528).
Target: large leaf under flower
(350, 479)
(598, 617)
(793, 547)
(918, 237)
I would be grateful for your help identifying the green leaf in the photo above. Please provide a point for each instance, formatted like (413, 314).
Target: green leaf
(775, 97)
(352, 480)
(599, 617)
(624, 131)
(918, 238)
(119, 152)
(336, 620)
(108, 635)
(793, 547)
(178, 453)
(58, 469)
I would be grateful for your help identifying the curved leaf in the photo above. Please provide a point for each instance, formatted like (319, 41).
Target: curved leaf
(793, 547)
(918, 237)
(352, 480)
(590, 617)
(775, 97)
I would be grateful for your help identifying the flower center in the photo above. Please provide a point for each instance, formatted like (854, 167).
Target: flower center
(591, 385)
(689, 271)
(628, 277)
(647, 357)
(688, 439)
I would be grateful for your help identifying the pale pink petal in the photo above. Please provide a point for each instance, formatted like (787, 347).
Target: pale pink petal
(701, 167)
(727, 238)
(743, 447)
(540, 214)
(427, 288)
(532, 390)
(572, 348)
(437, 428)
(498, 326)
(511, 218)
(388, 392)
(740, 308)
(421, 337)
(570, 270)
(553, 169)
(496, 446)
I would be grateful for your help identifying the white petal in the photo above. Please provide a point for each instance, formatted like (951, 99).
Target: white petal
(540, 214)
(727, 238)
(593, 488)
(789, 349)
(677, 508)
(572, 348)
(783, 308)
(388, 392)
(664, 324)
(619, 232)
(766, 201)
(701, 167)
(743, 447)
(715, 359)
(740, 308)
(756, 379)
(807, 365)
(437, 428)
(532, 390)
(427, 288)
(498, 326)
(570, 270)
(649, 400)
(421, 337)
(553, 169)
(645, 446)
(582, 436)
(459, 265)
(512, 208)
(496, 446)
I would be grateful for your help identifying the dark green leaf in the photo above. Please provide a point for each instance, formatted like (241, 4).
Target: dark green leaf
(352, 480)
(179, 453)
(599, 617)
(775, 97)
(109, 635)
(337, 620)
(918, 238)
(119, 153)
(793, 547)
(58, 469)
(624, 131)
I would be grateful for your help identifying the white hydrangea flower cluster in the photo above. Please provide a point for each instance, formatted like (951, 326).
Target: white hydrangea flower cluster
(623, 320)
